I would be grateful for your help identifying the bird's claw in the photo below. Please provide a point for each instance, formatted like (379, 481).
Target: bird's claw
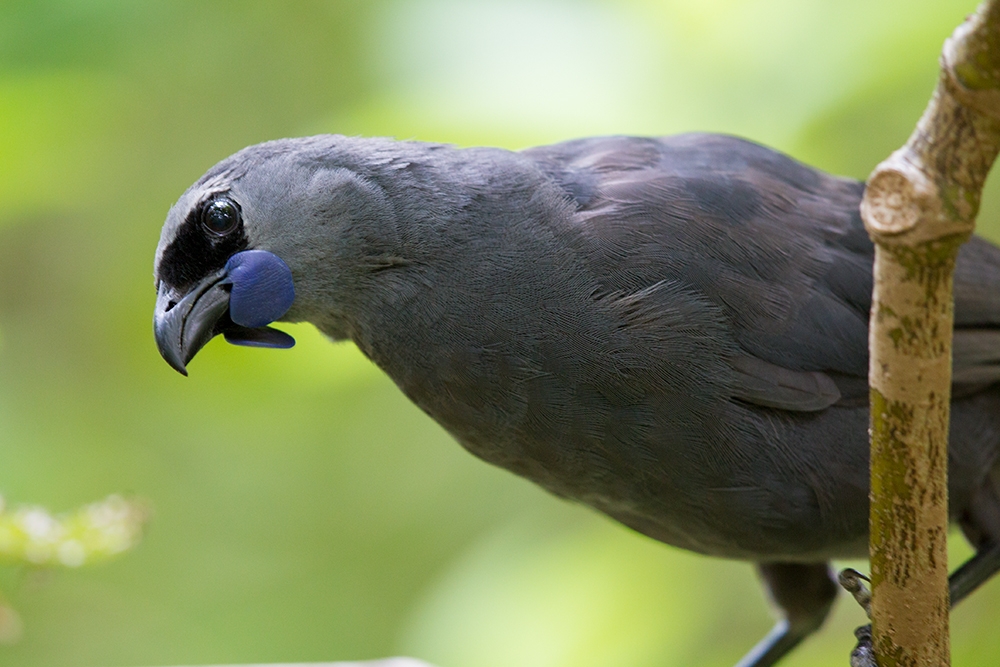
(853, 582)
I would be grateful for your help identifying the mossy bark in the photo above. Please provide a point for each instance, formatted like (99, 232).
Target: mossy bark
(919, 206)
(910, 392)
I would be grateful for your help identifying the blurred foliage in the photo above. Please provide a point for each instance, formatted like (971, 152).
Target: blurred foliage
(30, 535)
(95, 532)
(304, 509)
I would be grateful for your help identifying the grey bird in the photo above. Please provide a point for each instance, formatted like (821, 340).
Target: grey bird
(672, 331)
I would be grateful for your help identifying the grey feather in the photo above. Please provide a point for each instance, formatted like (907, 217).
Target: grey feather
(672, 331)
(772, 386)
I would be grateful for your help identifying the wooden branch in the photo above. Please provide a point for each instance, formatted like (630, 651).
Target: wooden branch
(919, 207)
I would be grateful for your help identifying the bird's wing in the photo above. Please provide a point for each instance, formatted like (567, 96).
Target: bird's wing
(777, 247)
(976, 353)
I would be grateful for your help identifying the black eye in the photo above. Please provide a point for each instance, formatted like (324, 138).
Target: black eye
(220, 216)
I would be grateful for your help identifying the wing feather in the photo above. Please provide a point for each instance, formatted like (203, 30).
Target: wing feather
(777, 248)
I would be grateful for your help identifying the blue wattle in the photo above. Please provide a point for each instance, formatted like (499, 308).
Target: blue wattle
(259, 337)
(262, 288)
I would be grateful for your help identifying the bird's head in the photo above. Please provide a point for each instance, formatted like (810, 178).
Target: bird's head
(253, 241)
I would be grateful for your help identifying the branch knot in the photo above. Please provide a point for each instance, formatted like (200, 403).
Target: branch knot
(896, 198)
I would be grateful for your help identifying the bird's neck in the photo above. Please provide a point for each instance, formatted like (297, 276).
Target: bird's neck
(447, 219)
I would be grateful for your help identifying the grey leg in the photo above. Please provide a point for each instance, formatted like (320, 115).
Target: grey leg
(804, 594)
(980, 521)
(974, 572)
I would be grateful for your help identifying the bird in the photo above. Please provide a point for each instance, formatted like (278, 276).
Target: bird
(670, 330)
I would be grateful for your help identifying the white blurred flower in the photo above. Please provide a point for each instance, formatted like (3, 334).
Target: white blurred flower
(94, 532)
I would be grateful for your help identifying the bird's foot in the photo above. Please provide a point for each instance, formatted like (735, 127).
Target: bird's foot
(863, 655)
(853, 582)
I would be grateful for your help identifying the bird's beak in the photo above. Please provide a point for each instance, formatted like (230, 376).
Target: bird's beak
(239, 300)
(184, 323)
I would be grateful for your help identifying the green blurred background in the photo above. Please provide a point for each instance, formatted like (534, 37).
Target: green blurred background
(303, 509)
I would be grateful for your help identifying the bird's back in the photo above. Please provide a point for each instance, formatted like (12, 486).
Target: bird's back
(681, 341)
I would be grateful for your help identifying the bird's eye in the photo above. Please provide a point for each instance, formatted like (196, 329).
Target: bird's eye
(220, 216)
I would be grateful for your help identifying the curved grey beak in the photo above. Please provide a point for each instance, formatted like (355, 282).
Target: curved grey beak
(183, 324)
